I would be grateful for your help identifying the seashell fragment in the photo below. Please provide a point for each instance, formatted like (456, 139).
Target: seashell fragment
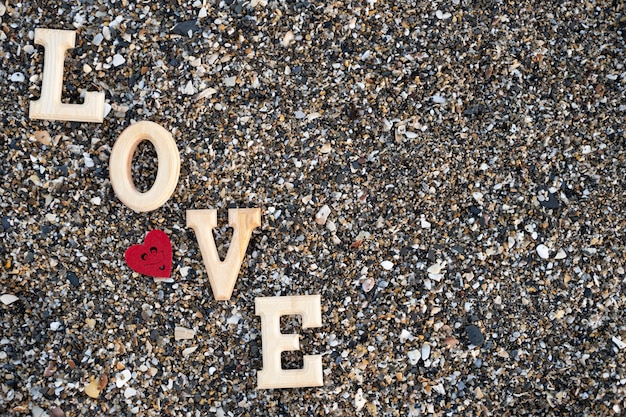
(182, 333)
(8, 299)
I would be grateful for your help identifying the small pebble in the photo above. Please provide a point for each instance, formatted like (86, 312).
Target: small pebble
(43, 137)
(387, 265)
(438, 99)
(118, 60)
(414, 356)
(618, 342)
(92, 389)
(425, 351)
(543, 251)
(73, 278)
(186, 28)
(129, 392)
(17, 77)
(474, 335)
(288, 38)
(450, 341)
(322, 215)
(188, 351)
(183, 333)
(97, 40)
(230, 81)
(359, 400)
(368, 284)
(56, 412)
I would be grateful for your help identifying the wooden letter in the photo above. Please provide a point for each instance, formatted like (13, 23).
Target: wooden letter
(49, 106)
(122, 157)
(223, 275)
(274, 342)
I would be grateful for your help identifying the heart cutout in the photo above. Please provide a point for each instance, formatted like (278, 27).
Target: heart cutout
(153, 258)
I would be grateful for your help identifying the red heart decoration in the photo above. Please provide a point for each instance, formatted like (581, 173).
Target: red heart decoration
(153, 258)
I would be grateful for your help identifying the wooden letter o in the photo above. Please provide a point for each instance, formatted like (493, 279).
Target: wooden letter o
(121, 159)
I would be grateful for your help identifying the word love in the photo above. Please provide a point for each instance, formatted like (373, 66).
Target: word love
(154, 256)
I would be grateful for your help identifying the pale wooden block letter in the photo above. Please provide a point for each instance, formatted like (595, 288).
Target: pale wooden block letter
(223, 275)
(274, 342)
(49, 106)
(121, 160)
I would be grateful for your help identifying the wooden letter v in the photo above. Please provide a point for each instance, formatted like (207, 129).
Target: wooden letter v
(223, 275)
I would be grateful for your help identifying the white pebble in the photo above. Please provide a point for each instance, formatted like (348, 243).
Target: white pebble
(96, 201)
(207, 92)
(405, 335)
(88, 161)
(287, 39)
(189, 351)
(368, 284)
(442, 16)
(37, 411)
(438, 99)
(359, 400)
(202, 13)
(543, 251)
(97, 40)
(118, 60)
(561, 254)
(322, 215)
(435, 268)
(55, 325)
(425, 351)
(8, 299)
(130, 392)
(230, 81)
(618, 342)
(122, 378)
(300, 114)
(107, 109)
(387, 265)
(189, 89)
(414, 356)
(17, 77)
(234, 319)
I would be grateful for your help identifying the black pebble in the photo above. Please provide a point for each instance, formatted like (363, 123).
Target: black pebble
(73, 279)
(183, 28)
(551, 202)
(5, 223)
(29, 257)
(474, 335)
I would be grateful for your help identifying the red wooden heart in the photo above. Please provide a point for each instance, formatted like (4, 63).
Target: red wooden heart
(154, 257)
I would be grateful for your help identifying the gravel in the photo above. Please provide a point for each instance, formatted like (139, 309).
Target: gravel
(409, 158)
